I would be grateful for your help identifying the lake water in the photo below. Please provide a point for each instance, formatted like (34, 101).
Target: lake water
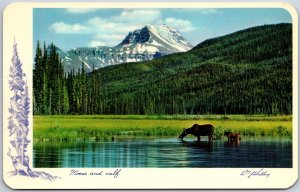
(164, 152)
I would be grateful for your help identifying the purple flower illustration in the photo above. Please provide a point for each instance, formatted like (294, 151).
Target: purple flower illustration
(18, 121)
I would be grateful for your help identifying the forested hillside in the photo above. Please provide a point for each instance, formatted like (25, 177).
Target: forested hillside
(247, 72)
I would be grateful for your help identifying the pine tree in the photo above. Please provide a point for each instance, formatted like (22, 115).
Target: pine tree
(45, 62)
(18, 119)
(65, 97)
(92, 89)
(83, 89)
(54, 81)
(38, 73)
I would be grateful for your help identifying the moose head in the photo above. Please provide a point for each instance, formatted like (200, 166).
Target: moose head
(183, 134)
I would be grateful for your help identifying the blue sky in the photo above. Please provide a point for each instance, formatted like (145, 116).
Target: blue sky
(70, 28)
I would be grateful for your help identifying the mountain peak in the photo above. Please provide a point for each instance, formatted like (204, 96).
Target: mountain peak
(148, 26)
(145, 43)
(158, 35)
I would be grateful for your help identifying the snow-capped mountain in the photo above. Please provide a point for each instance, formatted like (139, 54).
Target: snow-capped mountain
(160, 38)
(151, 41)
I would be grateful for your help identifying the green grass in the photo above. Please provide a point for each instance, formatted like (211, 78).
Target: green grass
(103, 127)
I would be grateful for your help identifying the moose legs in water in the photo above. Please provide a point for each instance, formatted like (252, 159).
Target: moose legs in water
(210, 138)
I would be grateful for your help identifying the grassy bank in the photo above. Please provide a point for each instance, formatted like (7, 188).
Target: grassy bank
(103, 127)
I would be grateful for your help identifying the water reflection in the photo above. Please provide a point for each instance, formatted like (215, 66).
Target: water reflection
(164, 153)
(201, 145)
(232, 143)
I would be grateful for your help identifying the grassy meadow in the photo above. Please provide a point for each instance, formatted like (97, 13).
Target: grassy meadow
(103, 127)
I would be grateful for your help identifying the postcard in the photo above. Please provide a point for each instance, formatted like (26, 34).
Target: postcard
(150, 95)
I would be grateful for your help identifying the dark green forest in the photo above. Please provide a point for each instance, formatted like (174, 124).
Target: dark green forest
(246, 72)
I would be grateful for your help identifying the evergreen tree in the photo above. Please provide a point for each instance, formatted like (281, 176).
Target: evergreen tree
(46, 67)
(50, 92)
(18, 119)
(83, 89)
(38, 73)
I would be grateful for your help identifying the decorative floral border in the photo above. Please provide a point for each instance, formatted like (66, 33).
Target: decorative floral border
(18, 122)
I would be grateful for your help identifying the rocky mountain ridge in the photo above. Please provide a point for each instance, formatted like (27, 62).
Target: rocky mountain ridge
(146, 43)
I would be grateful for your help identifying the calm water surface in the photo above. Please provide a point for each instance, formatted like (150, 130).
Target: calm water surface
(169, 152)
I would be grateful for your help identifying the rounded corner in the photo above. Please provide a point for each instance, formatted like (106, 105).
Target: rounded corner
(292, 183)
(290, 9)
(7, 183)
(8, 7)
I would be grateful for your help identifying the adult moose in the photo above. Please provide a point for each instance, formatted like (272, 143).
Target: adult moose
(199, 130)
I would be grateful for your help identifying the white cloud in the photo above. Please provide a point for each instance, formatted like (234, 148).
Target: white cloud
(111, 31)
(138, 16)
(96, 43)
(80, 11)
(179, 24)
(77, 28)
